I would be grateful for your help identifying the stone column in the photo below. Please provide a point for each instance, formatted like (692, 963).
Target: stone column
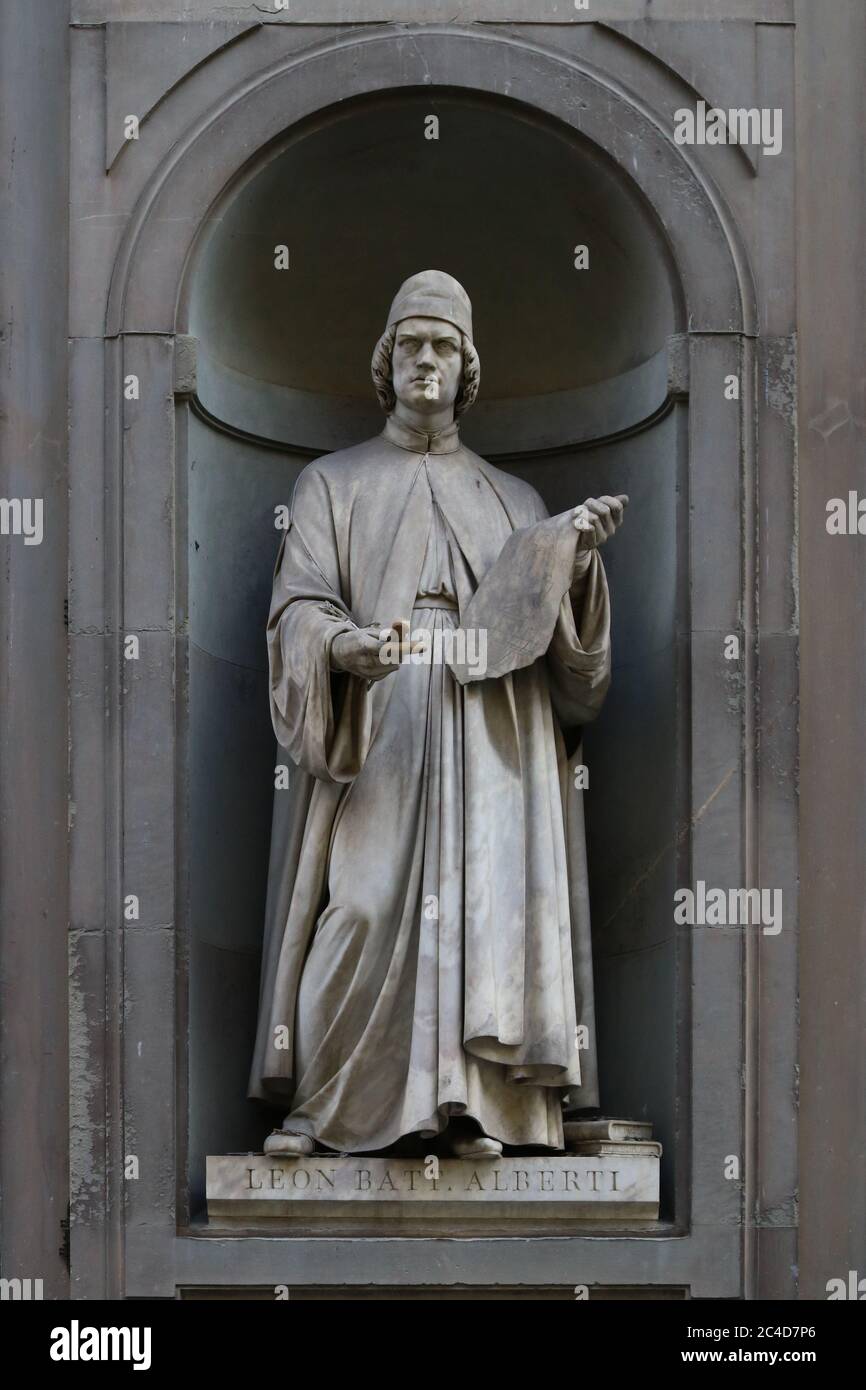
(34, 142)
(831, 233)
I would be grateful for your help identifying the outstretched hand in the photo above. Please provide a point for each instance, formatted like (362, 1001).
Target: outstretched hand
(373, 652)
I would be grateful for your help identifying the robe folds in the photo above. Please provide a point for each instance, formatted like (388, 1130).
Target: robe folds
(427, 940)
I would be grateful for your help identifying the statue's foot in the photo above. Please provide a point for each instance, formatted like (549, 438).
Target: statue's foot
(476, 1146)
(289, 1145)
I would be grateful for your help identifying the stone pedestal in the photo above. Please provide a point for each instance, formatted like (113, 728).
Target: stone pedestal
(605, 1181)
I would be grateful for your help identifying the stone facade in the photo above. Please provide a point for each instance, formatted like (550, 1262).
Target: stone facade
(114, 787)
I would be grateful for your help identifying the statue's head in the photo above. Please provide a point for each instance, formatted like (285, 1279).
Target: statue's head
(425, 358)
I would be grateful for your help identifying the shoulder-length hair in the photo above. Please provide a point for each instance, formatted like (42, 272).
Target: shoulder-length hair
(383, 375)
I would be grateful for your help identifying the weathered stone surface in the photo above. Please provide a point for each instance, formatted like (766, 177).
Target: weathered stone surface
(145, 61)
(593, 1184)
(406, 11)
(831, 228)
(34, 132)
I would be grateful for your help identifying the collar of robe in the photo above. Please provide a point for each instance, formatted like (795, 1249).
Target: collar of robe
(445, 441)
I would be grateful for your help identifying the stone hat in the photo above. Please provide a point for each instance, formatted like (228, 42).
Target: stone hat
(434, 295)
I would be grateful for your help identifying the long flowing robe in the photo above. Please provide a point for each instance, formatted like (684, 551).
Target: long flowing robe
(427, 945)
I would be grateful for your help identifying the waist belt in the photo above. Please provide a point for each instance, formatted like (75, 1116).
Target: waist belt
(437, 601)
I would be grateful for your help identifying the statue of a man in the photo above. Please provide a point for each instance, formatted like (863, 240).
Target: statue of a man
(427, 968)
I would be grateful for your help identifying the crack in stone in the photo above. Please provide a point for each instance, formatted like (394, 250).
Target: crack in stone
(671, 844)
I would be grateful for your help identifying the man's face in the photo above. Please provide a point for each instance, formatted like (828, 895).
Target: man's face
(427, 364)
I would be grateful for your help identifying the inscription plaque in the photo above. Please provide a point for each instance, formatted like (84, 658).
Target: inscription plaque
(598, 1185)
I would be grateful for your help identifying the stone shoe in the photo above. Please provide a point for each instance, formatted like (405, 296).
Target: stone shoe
(289, 1145)
(476, 1146)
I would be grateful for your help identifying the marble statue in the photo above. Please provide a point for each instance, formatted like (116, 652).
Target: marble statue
(436, 642)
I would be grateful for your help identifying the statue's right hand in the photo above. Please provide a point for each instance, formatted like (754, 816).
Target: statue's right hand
(358, 653)
(369, 652)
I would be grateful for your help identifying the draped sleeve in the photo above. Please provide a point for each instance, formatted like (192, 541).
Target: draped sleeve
(578, 658)
(319, 716)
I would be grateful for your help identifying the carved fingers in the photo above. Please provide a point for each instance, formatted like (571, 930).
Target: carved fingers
(358, 653)
(598, 518)
(373, 652)
(396, 645)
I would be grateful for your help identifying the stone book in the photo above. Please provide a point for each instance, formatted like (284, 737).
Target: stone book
(613, 1148)
(579, 1131)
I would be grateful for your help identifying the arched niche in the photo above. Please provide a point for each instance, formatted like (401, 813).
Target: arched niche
(358, 198)
(147, 286)
(575, 398)
(665, 227)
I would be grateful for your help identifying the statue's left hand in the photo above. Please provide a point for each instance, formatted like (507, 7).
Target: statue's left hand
(597, 519)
